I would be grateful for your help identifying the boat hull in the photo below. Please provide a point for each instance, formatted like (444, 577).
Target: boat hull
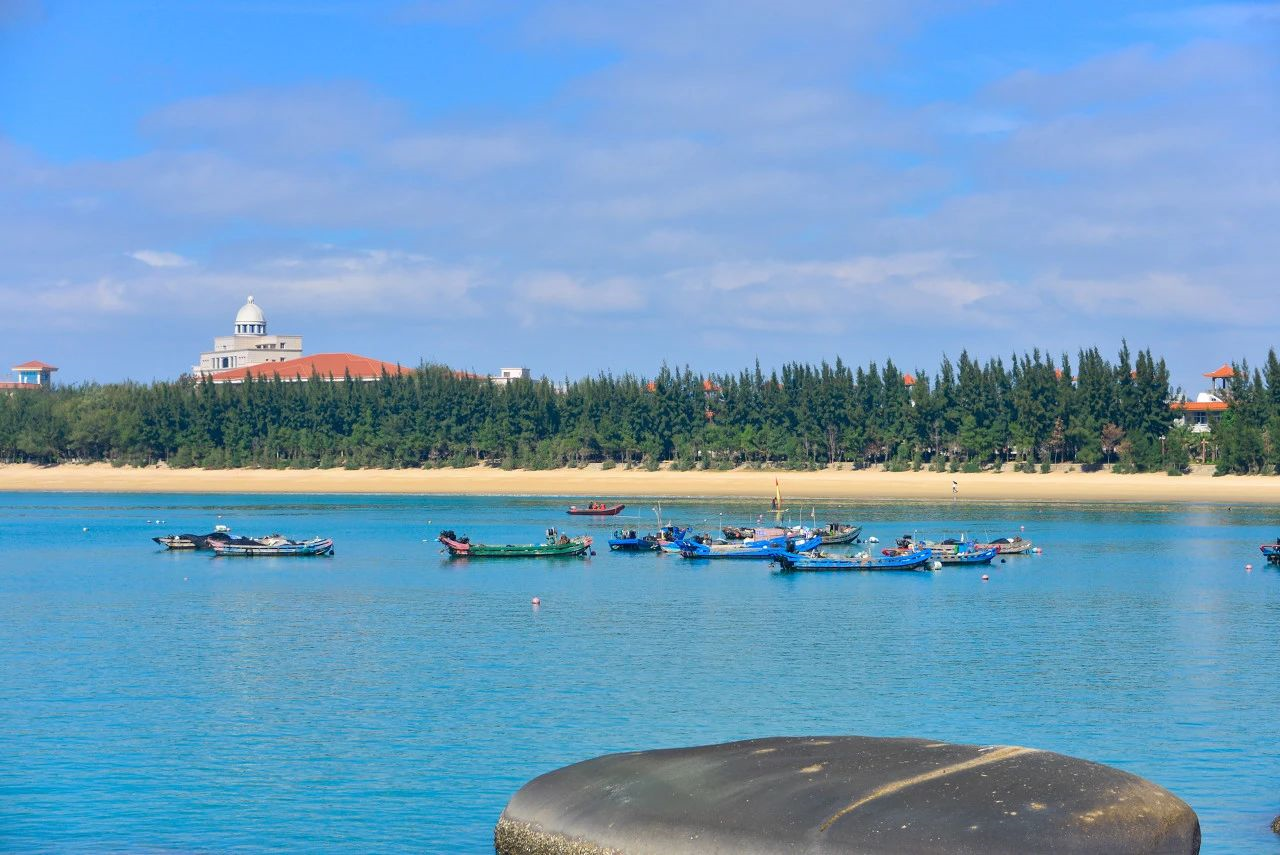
(984, 556)
(847, 535)
(766, 551)
(913, 562)
(1016, 546)
(314, 547)
(637, 544)
(186, 542)
(464, 549)
(613, 511)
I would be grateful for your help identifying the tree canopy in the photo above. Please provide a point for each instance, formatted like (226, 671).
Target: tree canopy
(1028, 410)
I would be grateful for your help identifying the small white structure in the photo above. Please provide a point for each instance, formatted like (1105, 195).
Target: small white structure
(510, 375)
(249, 345)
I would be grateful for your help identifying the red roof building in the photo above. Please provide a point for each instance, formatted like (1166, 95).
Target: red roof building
(908, 380)
(32, 375)
(1203, 413)
(336, 366)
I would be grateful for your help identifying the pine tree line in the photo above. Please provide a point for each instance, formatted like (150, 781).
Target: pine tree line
(1029, 412)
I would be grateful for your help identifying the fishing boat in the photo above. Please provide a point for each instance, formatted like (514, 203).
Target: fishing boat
(836, 534)
(921, 559)
(195, 541)
(762, 549)
(630, 541)
(969, 554)
(274, 545)
(733, 532)
(595, 509)
(192, 541)
(1271, 551)
(1009, 545)
(556, 546)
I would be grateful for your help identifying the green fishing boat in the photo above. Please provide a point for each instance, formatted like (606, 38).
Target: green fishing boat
(557, 546)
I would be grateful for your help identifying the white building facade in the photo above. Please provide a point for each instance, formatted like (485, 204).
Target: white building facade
(250, 344)
(510, 375)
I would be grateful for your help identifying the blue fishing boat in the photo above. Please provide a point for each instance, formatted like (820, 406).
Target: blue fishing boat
(919, 560)
(760, 550)
(967, 554)
(630, 541)
(1271, 551)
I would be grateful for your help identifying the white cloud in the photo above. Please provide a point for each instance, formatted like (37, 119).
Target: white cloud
(158, 258)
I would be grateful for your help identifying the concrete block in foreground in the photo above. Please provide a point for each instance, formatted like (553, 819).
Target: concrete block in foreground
(842, 794)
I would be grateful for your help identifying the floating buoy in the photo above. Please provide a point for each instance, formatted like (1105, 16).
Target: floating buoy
(1003, 561)
(1248, 567)
(537, 601)
(86, 528)
(873, 539)
(184, 578)
(593, 552)
(1037, 551)
(936, 565)
(985, 577)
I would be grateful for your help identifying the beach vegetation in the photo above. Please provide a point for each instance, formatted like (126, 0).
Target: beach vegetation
(1028, 411)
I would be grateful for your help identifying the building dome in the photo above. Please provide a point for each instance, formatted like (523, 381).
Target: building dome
(250, 320)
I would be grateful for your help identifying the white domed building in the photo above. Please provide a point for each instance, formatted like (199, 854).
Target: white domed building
(249, 345)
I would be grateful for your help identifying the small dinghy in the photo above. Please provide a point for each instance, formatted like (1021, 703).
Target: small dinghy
(557, 546)
(273, 545)
(595, 509)
(921, 559)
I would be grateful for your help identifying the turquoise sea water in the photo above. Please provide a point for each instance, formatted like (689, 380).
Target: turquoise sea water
(387, 698)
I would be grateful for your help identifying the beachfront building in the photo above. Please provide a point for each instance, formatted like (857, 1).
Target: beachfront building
(249, 345)
(1203, 413)
(322, 366)
(31, 375)
(510, 375)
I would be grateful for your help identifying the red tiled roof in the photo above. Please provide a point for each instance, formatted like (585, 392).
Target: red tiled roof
(36, 364)
(1226, 372)
(908, 380)
(1199, 406)
(337, 365)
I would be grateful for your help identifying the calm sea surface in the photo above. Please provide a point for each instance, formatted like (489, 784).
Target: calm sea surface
(387, 698)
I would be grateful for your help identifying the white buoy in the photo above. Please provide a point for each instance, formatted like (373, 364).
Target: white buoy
(537, 601)
(86, 528)
(1248, 568)
(985, 577)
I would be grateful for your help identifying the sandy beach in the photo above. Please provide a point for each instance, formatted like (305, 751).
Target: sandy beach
(1059, 486)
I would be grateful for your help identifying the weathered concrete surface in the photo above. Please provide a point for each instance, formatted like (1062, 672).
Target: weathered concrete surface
(843, 794)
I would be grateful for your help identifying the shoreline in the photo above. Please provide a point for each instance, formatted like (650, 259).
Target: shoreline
(1200, 487)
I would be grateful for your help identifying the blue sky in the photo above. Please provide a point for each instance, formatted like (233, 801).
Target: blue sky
(582, 186)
